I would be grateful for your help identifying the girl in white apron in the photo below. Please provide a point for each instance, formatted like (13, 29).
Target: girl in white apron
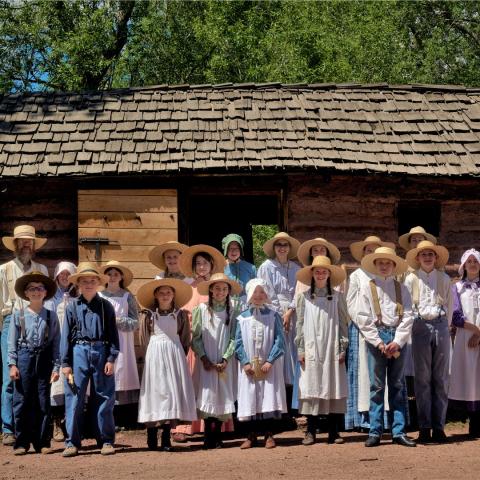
(127, 384)
(259, 348)
(464, 392)
(213, 341)
(322, 339)
(166, 395)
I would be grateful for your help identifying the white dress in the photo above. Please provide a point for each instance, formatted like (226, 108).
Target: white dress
(257, 330)
(465, 371)
(214, 391)
(323, 381)
(167, 389)
(126, 371)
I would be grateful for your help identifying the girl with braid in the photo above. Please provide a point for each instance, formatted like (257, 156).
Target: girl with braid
(213, 342)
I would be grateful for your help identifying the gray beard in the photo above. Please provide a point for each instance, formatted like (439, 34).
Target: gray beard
(25, 258)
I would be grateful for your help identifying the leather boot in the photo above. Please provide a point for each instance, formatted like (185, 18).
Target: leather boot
(166, 445)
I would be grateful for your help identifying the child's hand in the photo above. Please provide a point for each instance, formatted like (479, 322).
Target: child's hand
(341, 358)
(67, 371)
(207, 364)
(301, 359)
(55, 376)
(221, 366)
(14, 373)
(248, 369)
(109, 369)
(266, 367)
(473, 341)
(286, 319)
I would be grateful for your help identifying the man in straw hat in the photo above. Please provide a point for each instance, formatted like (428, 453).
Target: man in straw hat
(384, 316)
(24, 244)
(89, 348)
(432, 306)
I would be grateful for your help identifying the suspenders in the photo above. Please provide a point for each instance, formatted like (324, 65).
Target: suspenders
(23, 332)
(376, 301)
(416, 290)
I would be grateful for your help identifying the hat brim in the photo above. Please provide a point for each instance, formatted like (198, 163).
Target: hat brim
(356, 248)
(185, 261)
(204, 287)
(337, 274)
(183, 292)
(270, 251)
(24, 280)
(126, 273)
(303, 253)
(368, 263)
(440, 262)
(156, 254)
(9, 242)
(404, 240)
(103, 279)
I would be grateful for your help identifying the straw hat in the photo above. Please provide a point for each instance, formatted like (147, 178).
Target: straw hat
(88, 269)
(156, 254)
(126, 272)
(386, 253)
(303, 253)
(24, 231)
(356, 248)
(38, 277)
(404, 240)
(337, 274)
(183, 292)
(228, 239)
(442, 253)
(270, 251)
(186, 257)
(204, 287)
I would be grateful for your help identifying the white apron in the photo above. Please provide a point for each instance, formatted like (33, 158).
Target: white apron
(465, 370)
(126, 371)
(290, 357)
(57, 388)
(167, 389)
(215, 391)
(323, 376)
(260, 396)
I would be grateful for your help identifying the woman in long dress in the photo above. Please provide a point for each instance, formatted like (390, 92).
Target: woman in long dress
(464, 392)
(213, 341)
(127, 383)
(166, 393)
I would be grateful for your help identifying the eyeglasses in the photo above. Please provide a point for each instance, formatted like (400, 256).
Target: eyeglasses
(36, 289)
(282, 245)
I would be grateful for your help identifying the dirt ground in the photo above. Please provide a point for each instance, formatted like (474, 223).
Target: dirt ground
(457, 459)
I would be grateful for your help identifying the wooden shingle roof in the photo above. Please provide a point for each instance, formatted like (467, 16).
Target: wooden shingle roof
(411, 129)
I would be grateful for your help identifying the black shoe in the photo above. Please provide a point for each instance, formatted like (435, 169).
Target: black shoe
(438, 436)
(424, 436)
(404, 440)
(165, 445)
(372, 441)
(152, 439)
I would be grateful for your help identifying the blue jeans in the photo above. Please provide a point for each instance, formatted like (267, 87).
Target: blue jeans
(88, 364)
(379, 368)
(31, 399)
(431, 355)
(7, 384)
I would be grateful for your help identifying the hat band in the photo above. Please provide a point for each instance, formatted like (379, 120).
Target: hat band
(88, 271)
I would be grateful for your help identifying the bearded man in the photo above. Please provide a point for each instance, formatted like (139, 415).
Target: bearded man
(24, 243)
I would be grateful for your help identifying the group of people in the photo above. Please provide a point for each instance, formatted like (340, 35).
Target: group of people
(222, 339)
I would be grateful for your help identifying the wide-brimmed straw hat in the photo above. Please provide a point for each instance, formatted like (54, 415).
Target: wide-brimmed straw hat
(204, 287)
(356, 248)
(442, 254)
(187, 255)
(268, 246)
(386, 253)
(126, 272)
(37, 277)
(304, 255)
(23, 231)
(88, 269)
(404, 240)
(183, 292)
(156, 254)
(337, 274)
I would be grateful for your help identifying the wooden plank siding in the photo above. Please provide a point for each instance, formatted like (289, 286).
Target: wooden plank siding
(134, 220)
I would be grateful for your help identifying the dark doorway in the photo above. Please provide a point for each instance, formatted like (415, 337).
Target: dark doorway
(424, 213)
(211, 217)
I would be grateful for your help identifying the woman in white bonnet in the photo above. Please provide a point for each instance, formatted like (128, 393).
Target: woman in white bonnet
(464, 392)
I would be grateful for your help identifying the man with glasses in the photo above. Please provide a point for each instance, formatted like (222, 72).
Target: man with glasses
(23, 244)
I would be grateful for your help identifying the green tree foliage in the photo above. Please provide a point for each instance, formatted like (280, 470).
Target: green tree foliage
(95, 44)
(260, 234)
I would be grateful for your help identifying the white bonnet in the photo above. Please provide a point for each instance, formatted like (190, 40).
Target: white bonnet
(68, 266)
(252, 285)
(463, 261)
